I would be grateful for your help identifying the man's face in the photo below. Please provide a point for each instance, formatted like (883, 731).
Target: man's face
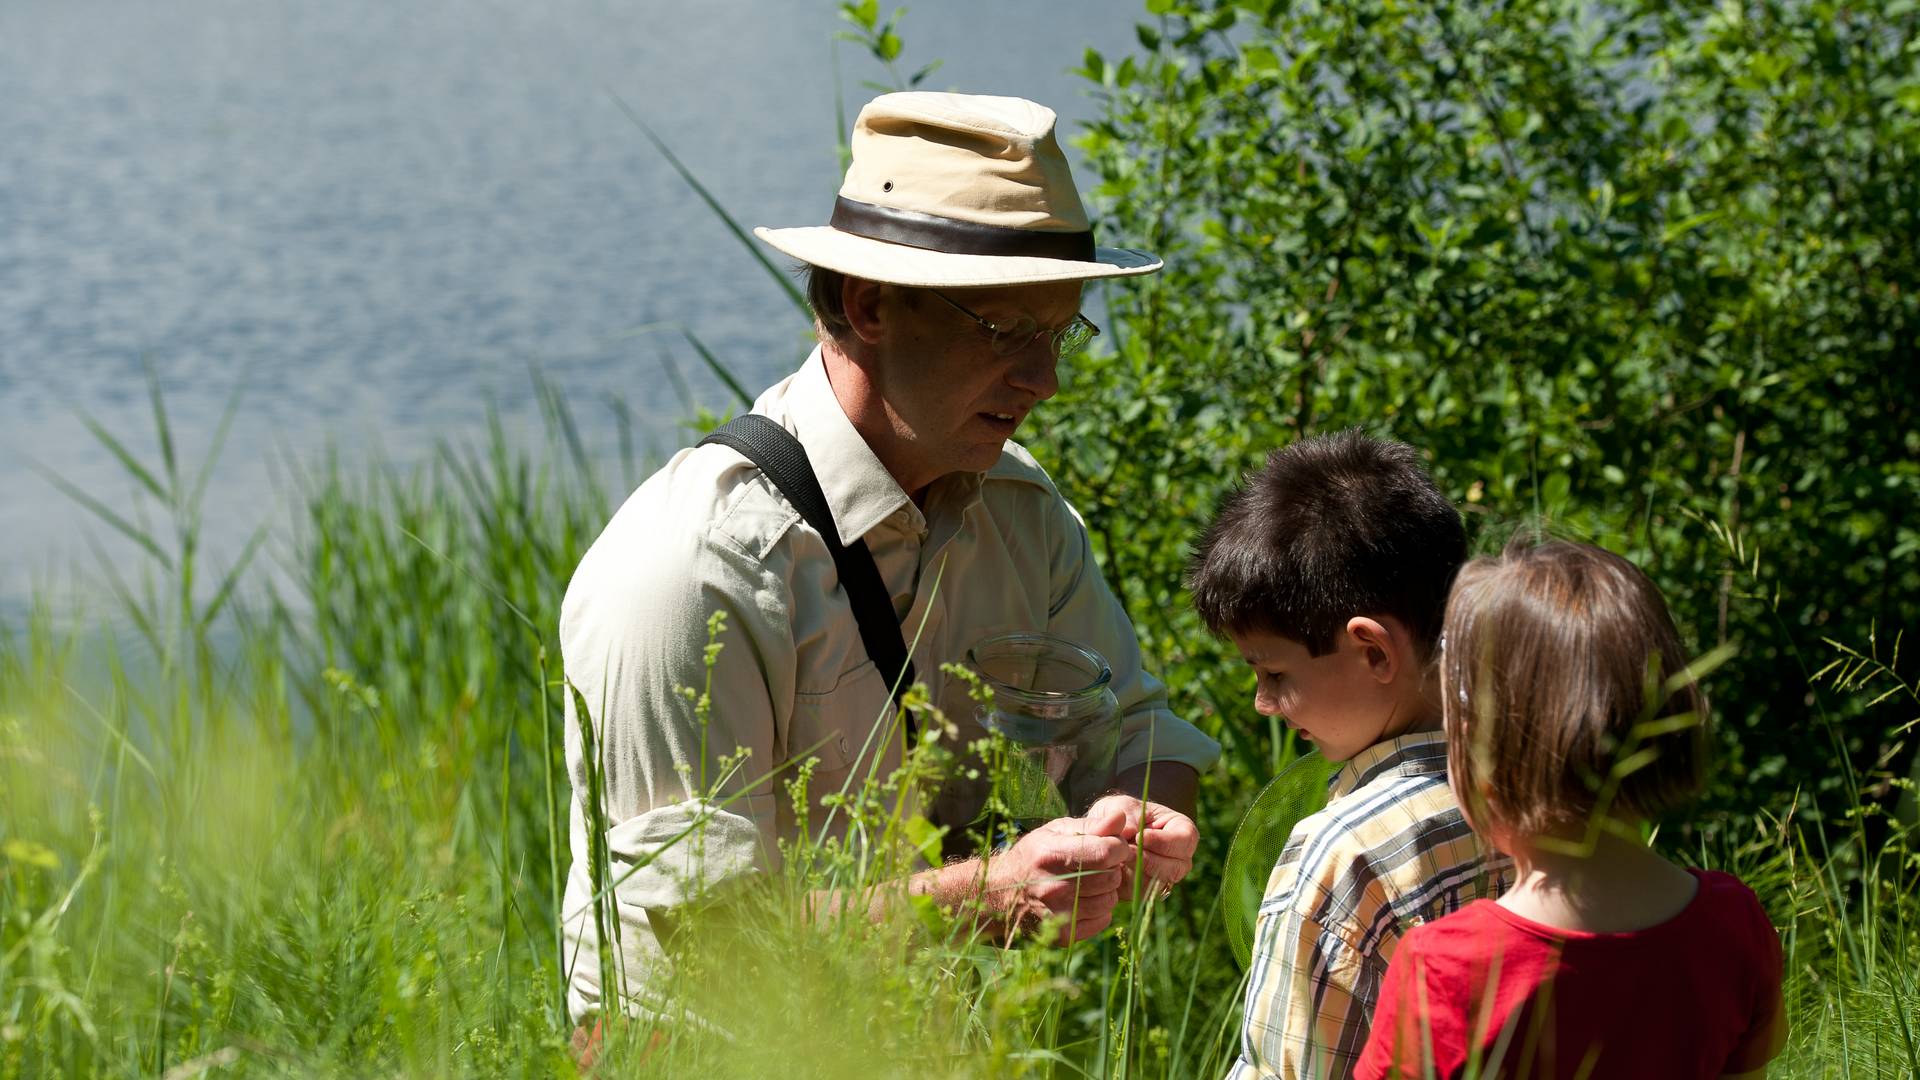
(1334, 701)
(951, 398)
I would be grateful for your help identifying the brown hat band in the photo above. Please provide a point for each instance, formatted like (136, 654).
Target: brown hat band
(914, 229)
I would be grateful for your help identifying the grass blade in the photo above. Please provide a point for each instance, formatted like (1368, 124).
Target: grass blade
(102, 511)
(220, 432)
(623, 427)
(733, 226)
(720, 369)
(160, 426)
(679, 382)
(559, 420)
(839, 106)
(232, 578)
(123, 593)
(477, 579)
(127, 461)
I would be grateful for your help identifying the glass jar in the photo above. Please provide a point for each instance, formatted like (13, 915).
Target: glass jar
(1053, 701)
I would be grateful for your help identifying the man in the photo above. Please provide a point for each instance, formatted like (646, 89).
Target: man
(945, 291)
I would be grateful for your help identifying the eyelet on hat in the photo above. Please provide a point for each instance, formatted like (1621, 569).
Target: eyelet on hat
(888, 186)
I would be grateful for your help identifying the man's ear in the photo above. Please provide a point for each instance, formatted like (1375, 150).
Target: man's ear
(861, 301)
(1380, 644)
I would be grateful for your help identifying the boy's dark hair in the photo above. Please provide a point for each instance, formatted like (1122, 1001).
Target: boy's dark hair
(1565, 693)
(1331, 527)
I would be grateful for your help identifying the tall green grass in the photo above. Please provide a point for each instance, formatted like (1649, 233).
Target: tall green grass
(319, 828)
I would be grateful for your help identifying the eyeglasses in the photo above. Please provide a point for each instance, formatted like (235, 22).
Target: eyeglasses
(1011, 337)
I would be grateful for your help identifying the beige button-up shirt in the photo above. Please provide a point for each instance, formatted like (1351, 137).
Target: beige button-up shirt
(708, 532)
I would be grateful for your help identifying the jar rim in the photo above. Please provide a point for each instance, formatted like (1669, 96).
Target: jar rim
(1103, 673)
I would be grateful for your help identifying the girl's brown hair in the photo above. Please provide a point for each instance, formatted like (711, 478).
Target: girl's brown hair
(1566, 693)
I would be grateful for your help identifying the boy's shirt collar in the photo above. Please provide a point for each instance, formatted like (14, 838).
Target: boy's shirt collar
(1416, 753)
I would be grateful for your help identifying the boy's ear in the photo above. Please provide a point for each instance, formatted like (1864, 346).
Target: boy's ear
(1380, 645)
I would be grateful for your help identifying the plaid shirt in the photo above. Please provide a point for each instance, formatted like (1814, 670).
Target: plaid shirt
(1389, 852)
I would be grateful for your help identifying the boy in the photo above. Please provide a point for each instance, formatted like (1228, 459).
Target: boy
(1329, 569)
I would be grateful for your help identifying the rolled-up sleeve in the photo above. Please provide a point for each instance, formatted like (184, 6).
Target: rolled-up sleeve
(1082, 608)
(684, 803)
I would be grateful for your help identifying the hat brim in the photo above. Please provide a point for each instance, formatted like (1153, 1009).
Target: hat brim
(898, 264)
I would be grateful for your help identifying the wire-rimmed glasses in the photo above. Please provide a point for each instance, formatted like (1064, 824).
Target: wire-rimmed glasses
(1024, 329)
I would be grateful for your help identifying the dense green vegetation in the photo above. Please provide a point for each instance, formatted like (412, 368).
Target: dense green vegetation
(1645, 276)
(1648, 275)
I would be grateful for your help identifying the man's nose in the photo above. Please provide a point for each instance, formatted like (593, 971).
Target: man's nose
(1036, 370)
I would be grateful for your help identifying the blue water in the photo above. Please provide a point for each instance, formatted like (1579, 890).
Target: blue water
(380, 215)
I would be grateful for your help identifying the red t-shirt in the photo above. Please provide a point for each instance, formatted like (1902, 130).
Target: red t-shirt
(1693, 996)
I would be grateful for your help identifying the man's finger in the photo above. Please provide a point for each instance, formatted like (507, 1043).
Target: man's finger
(1093, 907)
(1173, 835)
(1099, 852)
(1163, 869)
(1169, 844)
(1100, 884)
(1115, 815)
(1088, 927)
(1057, 889)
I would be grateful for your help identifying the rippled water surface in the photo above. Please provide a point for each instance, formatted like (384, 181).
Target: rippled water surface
(379, 215)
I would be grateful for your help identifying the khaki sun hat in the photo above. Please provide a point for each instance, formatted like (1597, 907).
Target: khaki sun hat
(957, 191)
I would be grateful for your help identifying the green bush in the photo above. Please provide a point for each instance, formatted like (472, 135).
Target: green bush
(1648, 276)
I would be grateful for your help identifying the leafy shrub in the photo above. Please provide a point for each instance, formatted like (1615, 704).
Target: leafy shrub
(1648, 276)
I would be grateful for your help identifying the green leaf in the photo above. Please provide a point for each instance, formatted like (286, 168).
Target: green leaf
(1555, 489)
(925, 837)
(1686, 225)
(864, 14)
(1093, 66)
(1766, 68)
(31, 853)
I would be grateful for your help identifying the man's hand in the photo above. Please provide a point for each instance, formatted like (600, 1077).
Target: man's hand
(1166, 838)
(1064, 868)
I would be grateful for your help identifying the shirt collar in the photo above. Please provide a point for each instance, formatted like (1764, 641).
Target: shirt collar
(1418, 753)
(859, 490)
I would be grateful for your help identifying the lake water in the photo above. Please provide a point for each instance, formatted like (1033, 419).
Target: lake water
(380, 215)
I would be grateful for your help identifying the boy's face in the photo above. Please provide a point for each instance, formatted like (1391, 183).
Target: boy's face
(1363, 692)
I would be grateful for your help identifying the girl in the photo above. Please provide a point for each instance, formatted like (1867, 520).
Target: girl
(1571, 718)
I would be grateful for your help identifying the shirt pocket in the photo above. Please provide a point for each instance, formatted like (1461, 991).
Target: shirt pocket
(833, 726)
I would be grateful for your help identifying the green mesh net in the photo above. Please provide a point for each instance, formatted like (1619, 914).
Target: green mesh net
(1300, 789)
(1030, 795)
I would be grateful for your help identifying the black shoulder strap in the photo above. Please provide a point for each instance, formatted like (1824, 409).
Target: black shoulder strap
(784, 461)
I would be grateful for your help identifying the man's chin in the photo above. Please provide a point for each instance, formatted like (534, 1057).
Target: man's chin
(983, 457)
